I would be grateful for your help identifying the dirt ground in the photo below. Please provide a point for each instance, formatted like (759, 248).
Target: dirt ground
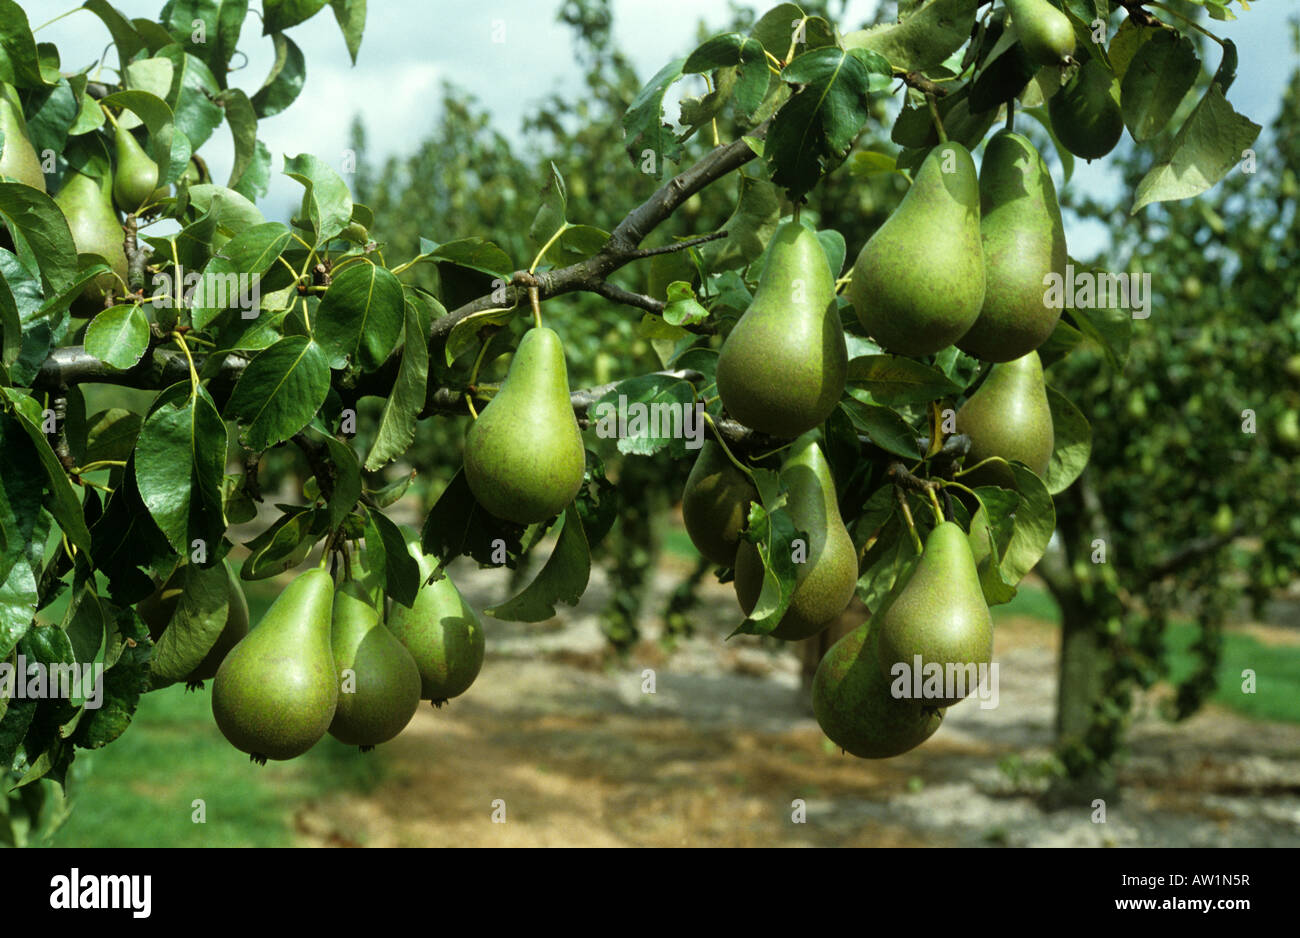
(564, 748)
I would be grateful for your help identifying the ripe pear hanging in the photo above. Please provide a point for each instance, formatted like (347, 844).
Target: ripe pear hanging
(1085, 112)
(1024, 241)
(275, 694)
(939, 619)
(918, 283)
(715, 504)
(381, 694)
(1044, 31)
(18, 161)
(87, 204)
(825, 581)
(441, 631)
(158, 608)
(855, 708)
(524, 458)
(135, 175)
(1008, 416)
(782, 368)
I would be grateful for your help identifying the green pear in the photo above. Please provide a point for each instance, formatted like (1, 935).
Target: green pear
(855, 708)
(275, 694)
(715, 504)
(157, 609)
(939, 618)
(781, 369)
(828, 575)
(87, 204)
(524, 458)
(1024, 241)
(18, 160)
(441, 631)
(1044, 31)
(379, 684)
(1085, 112)
(918, 283)
(1008, 416)
(135, 176)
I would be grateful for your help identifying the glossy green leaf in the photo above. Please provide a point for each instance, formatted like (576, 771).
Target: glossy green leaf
(280, 391)
(562, 580)
(402, 409)
(118, 336)
(195, 625)
(327, 204)
(285, 80)
(360, 316)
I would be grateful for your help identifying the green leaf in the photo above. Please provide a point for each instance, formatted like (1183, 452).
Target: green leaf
(887, 429)
(284, 81)
(1206, 148)
(922, 39)
(393, 491)
(1073, 442)
(646, 414)
(351, 17)
(465, 333)
(19, 64)
(562, 580)
(552, 214)
(64, 504)
(750, 227)
(119, 336)
(281, 14)
(990, 531)
(280, 391)
(242, 118)
(232, 210)
(473, 253)
(1227, 71)
(402, 409)
(283, 545)
(180, 460)
(191, 95)
(1159, 76)
(347, 477)
(111, 434)
(360, 316)
(893, 381)
(772, 531)
(125, 37)
(775, 29)
(651, 143)
(458, 525)
(819, 123)
(1035, 520)
(327, 204)
(124, 681)
(401, 573)
(11, 327)
(887, 566)
(682, 307)
(35, 222)
(20, 494)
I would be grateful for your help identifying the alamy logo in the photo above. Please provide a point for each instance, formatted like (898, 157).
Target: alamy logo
(36, 680)
(208, 290)
(953, 681)
(663, 419)
(75, 891)
(1089, 290)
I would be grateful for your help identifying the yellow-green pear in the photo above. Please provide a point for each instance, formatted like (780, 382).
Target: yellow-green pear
(854, 705)
(1008, 416)
(918, 283)
(524, 458)
(18, 160)
(937, 634)
(1085, 112)
(441, 631)
(1044, 31)
(715, 504)
(87, 204)
(781, 369)
(379, 684)
(276, 692)
(1024, 242)
(827, 565)
(135, 175)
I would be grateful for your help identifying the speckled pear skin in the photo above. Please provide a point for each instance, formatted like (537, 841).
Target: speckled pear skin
(524, 458)
(275, 693)
(715, 504)
(384, 690)
(826, 580)
(1008, 416)
(854, 707)
(918, 283)
(1044, 31)
(940, 614)
(781, 370)
(1024, 241)
(441, 631)
(18, 160)
(1085, 112)
(87, 204)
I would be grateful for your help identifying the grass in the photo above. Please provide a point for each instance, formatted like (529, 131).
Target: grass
(1276, 668)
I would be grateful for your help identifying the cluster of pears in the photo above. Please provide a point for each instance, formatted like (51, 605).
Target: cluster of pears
(323, 660)
(865, 691)
(524, 457)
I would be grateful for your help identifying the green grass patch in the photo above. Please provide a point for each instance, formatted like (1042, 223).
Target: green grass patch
(1032, 602)
(1276, 667)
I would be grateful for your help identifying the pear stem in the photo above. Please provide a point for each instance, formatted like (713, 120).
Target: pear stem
(907, 516)
(536, 302)
(934, 115)
(717, 435)
(967, 469)
(547, 246)
(194, 375)
(469, 402)
(934, 503)
(1200, 29)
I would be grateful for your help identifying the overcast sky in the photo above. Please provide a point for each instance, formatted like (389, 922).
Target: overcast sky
(411, 46)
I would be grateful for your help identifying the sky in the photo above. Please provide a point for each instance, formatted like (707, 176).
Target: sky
(511, 54)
